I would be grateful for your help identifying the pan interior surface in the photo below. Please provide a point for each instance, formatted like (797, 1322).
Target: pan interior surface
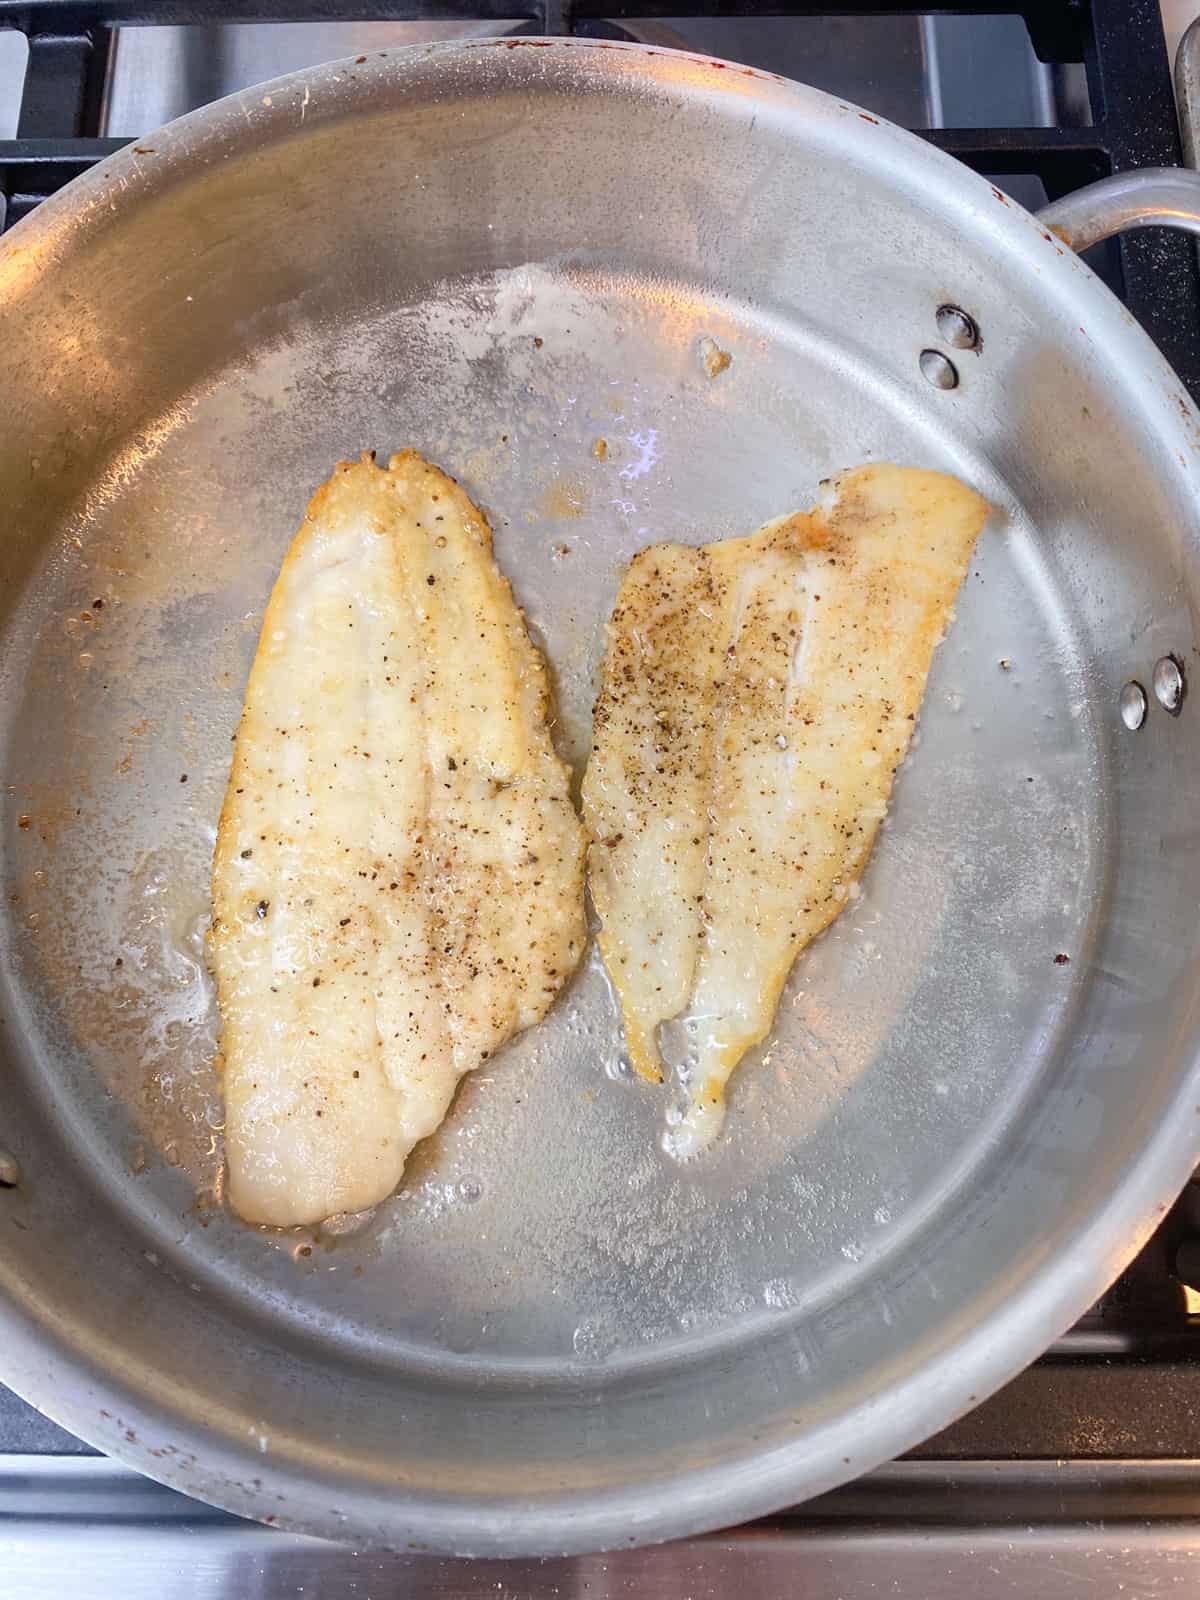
(548, 1292)
(543, 1225)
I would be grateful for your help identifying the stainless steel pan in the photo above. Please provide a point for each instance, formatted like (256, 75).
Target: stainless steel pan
(983, 1087)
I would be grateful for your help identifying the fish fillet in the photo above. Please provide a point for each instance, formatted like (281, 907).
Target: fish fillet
(758, 695)
(397, 885)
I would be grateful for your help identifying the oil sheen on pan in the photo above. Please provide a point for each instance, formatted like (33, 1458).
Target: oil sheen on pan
(397, 885)
(758, 695)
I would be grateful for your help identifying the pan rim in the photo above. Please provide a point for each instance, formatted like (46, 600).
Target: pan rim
(44, 1372)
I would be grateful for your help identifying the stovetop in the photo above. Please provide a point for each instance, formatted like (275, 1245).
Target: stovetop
(1084, 1470)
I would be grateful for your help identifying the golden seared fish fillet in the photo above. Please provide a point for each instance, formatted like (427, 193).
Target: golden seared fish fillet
(397, 886)
(758, 695)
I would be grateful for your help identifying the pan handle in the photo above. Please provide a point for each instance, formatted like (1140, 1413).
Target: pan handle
(1165, 197)
(1187, 92)
(1152, 197)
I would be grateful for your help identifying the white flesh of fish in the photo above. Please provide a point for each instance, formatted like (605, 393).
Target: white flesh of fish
(758, 695)
(397, 885)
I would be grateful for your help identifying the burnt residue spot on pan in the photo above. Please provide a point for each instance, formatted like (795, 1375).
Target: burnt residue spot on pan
(713, 359)
(867, 117)
(1062, 960)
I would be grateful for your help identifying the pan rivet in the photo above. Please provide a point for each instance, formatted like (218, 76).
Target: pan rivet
(956, 328)
(1133, 706)
(10, 1171)
(939, 370)
(1168, 684)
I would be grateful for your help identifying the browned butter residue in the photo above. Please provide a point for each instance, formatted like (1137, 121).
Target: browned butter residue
(713, 359)
(565, 498)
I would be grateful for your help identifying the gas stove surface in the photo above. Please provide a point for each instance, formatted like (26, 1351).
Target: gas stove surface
(1083, 1469)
